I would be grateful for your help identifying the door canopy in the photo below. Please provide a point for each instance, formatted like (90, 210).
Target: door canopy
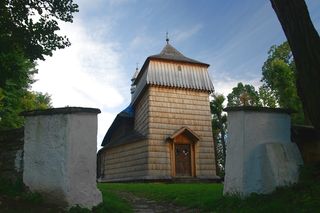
(187, 132)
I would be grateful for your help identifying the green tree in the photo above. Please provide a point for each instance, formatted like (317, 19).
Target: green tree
(243, 95)
(31, 26)
(16, 103)
(267, 97)
(28, 31)
(279, 77)
(219, 128)
(304, 41)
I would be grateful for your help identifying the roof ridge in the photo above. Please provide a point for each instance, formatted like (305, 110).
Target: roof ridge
(171, 53)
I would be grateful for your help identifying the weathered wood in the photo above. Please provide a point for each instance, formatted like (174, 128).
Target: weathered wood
(170, 109)
(127, 161)
(159, 113)
(142, 114)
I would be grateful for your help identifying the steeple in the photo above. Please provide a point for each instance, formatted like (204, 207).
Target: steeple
(167, 37)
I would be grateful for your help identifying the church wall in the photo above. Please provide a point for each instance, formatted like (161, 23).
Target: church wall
(130, 161)
(169, 110)
(142, 114)
(125, 162)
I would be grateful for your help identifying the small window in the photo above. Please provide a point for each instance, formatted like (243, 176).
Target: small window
(179, 68)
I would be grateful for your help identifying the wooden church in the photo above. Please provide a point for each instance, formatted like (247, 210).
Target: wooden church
(165, 133)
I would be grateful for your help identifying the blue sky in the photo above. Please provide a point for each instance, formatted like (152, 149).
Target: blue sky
(109, 37)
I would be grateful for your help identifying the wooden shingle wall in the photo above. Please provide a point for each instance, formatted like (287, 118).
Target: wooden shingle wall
(169, 110)
(130, 161)
(141, 109)
(125, 162)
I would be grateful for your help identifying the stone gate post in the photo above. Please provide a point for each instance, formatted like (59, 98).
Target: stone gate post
(260, 154)
(60, 155)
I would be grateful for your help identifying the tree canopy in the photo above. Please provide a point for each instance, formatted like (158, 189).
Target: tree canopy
(304, 41)
(279, 78)
(219, 128)
(28, 32)
(31, 25)
(278, 88)
(243, 95)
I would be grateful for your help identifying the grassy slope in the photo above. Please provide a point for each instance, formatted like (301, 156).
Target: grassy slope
(301, 197)
(112, 202)
(191, 195)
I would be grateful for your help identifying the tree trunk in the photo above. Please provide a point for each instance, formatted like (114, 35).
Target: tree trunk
(305, 45)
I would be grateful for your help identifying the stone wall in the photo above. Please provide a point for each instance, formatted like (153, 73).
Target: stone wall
(11, 154)
(169, 110)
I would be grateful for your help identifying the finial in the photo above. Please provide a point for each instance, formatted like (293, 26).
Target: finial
(137, 68)
(167, 37)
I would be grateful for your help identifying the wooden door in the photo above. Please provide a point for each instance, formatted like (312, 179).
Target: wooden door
(183, 159)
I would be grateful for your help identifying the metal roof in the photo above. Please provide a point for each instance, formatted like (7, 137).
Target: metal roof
(176, 75)
(172, 69)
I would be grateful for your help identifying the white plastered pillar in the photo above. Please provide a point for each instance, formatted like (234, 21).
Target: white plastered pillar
(60, 155)
(260, 154)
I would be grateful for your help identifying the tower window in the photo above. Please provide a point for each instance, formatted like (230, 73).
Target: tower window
(179, 68)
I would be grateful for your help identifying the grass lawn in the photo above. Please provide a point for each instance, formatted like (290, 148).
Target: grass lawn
(200, 196)
(301, 197)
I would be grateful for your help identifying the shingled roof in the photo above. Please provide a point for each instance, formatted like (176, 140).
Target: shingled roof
(172, 54)
(122, 130)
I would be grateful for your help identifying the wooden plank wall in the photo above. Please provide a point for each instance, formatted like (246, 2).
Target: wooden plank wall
(169, 110)
(125, 162)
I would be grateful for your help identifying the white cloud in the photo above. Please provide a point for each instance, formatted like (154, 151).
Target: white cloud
(86, 74)
(105, 120)
(224, 83)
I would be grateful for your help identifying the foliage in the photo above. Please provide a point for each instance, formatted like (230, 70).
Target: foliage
(243, 95)
(27, 33)
(31, 25)
(219, 128)
(279, 78)
(267, 98)
(15, 197)
(278, 88)
(10, 188)
(304, 41)
(16, 101)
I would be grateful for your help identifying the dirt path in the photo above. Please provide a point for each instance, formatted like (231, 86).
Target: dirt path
(143, 205)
